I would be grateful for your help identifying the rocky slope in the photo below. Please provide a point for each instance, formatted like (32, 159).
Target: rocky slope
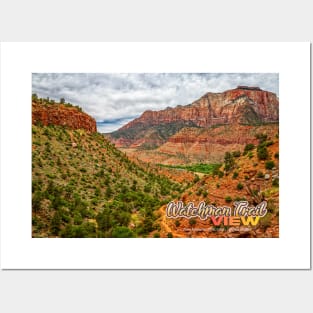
(63, 115)
(82, 186)
(251, 179)
(243, 105)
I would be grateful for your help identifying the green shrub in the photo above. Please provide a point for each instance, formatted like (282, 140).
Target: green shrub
(122, 232)
(269, 165)
(261, 137)
(235, 175)
(262, 152)
(228, 199)
(236, 154)
(220, 174)
(196, 179)
(177, 223)
(229, 161)
(275, 182)
(260, 174)
(240, 186)
(248, 147)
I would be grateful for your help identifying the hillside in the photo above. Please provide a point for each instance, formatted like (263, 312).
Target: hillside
(82, 186)
(195, 145)
(251, 176)
(243, 105)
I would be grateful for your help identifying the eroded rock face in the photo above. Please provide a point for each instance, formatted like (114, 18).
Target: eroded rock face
(58, 114)
(243, 105)
(237, 105)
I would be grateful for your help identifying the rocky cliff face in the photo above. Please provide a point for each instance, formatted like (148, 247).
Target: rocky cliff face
(196, 145)
(242, 105)
(58, 114)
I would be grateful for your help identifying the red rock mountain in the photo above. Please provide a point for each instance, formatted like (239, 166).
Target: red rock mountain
(179, 127)
(59, 114)
(243, 104)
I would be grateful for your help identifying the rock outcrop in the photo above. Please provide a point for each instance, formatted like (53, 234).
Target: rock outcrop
(58, 114)
(243, 105)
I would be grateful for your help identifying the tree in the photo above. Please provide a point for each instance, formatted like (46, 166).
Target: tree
(55, 223)
(192, 223)
(269, 165)
(34, 97)
(229, 161)
(248, 147)
(262, 152)
(62, 100)
(122, 232)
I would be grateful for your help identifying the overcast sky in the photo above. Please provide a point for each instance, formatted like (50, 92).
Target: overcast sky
(115, 99)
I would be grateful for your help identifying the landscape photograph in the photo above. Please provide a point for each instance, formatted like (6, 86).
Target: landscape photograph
(155, 155)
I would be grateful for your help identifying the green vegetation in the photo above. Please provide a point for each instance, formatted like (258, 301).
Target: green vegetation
(236, 154)
(212, 168)
(248, 147)
(160, 133)
(229, 161)
(262, 152)
(240, 186)
(92, 189)
(260, 174)
(235, 175)
(228, 199)
(275, 182)
(48, 101)
(269, 165)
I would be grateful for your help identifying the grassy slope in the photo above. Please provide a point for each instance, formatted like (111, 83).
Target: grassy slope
(84, 187)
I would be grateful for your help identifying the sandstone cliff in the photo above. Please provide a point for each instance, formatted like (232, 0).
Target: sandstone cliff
(243, 105)
(58, 114)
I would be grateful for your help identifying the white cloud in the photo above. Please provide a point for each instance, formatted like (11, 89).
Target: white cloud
(111, 97)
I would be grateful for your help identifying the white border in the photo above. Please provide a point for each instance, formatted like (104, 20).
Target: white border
(290, 251)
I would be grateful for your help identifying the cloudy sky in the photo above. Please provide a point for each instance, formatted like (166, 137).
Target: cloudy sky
(115, 99)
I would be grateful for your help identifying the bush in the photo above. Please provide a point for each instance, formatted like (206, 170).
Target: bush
(235, 175)
(269, 165)
(228, 199)
(275, 182)
(260, 175)
(240, 186)
(248, 147)
(196, 179)
(220, 174)
(276, 155)
(218, 185)
(192, 222)
(236, 154)
(199, 192)
(177, 223)
(169, 235)
(261, 137)
(122, 232)
(229, 161)
(262, 152)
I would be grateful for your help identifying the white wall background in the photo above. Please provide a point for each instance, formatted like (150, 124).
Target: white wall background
(155, 291)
